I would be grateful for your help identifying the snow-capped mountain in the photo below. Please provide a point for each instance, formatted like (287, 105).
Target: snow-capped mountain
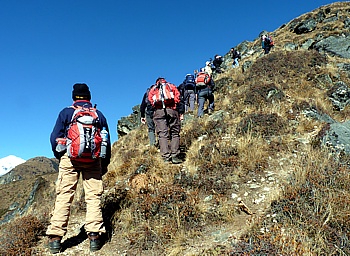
(8, 163)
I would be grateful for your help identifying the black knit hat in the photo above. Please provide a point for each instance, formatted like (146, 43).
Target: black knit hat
(81, 92)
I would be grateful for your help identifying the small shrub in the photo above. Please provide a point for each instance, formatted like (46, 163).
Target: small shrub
(263, 93)
(263, 124)
(20, 235)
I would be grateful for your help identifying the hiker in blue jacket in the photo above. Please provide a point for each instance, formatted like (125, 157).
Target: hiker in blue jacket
(266, 43)
(70, 169)
(187, 90)
(147, 110)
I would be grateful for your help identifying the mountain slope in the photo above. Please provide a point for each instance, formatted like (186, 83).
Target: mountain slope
(257, 177)
(8, 163)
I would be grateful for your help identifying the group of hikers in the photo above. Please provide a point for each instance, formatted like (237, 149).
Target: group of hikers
(81, 143)
(163, 106)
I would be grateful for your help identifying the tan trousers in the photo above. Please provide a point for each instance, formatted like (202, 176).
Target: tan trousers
(66, 185)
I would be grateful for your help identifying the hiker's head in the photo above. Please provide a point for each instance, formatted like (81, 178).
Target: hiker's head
(207, 63)
(81, 92)
(160, 80)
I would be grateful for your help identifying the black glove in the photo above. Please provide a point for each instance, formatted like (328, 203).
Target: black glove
(104, 170)
(58, 155)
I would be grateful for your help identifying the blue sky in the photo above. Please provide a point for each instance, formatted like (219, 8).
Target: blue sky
(118, 48)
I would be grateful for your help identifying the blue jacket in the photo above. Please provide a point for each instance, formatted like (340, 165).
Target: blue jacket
(62, 123)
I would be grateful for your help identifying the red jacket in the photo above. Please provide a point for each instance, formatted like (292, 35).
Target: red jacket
(168, 99)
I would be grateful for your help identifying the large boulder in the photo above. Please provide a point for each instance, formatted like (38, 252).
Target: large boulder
(334, 45)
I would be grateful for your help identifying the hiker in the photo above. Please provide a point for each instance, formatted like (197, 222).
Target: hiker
(165, 97)
(208, 68)
(235, 56)
(204, 86)
(146, 110)
(217, 63)
(266, 43)
(187, 90)
(74, 161)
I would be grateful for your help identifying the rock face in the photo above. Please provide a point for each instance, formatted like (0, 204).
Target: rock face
(334, 45)
(337, 138)
(305, 26)
(127, 124)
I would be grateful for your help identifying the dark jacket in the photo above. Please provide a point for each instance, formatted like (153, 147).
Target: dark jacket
(217, 62)
(180, 107)
(62, 124)
(235, 54)
(146, 105)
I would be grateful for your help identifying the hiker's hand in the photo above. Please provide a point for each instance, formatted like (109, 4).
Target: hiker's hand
(143, 120)
(181, 117)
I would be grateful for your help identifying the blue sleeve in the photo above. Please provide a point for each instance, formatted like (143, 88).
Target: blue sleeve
(60, 129)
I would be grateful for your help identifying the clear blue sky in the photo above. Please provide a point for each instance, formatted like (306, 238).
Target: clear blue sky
(118, 48)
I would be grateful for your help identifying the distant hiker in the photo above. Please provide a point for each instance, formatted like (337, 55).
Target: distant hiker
(187, 90)
(236, 55)
(79, 126)
(205, 85)
(165, 97)
(218, 60)
(146, 110)
(208, 68)
(266, 43)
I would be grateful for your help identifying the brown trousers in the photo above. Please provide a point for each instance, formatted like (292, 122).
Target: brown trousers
(66, 185)
(168, 128)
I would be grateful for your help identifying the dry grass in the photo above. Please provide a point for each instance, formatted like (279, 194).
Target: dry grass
(166, 203)
(262, 126)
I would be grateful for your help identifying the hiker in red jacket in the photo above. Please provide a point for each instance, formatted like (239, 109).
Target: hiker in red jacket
(165, 97)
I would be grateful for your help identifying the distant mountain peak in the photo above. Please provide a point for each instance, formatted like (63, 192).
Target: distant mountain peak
(8, 163)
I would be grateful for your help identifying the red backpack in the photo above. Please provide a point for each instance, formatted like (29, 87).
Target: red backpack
(269, 41)
(202, 79)
(83, 136)
(163, 94)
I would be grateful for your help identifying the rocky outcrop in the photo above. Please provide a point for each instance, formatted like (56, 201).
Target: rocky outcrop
(305, 26)
(335, 45)
(339, 94)
(129, 123)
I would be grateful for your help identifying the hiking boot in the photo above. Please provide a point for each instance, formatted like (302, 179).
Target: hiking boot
(55, 244)
(176, 160)
(95, 242)
(166, 160)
